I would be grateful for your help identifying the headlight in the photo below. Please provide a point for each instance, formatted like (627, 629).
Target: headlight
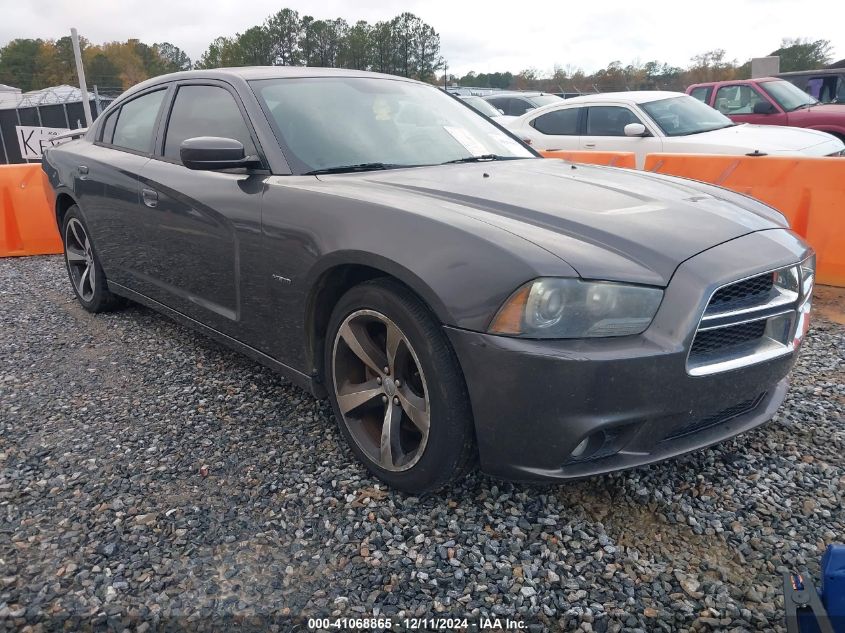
(571, 308)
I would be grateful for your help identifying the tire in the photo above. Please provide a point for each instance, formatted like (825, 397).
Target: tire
(430, 386)
(83, 266)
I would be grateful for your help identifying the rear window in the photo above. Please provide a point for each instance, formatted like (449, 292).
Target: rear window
(562, 122)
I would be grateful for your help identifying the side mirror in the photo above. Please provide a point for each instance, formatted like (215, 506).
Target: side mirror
(500, 111)
(764, 107)
(635, 129)
(212, 152)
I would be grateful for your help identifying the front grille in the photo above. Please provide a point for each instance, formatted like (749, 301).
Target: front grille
(721, 417)
(749, 321)
(742, 293)
(712, 341)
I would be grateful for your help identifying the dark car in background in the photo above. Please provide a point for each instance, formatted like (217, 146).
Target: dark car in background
(826, 85)
(484, 107)
(518, 103)
(453, 294)
(771, 101)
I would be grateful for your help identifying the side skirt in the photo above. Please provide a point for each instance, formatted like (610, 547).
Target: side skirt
(304, 381)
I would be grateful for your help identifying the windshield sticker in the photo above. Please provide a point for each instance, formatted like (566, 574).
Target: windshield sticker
(466, 139)
(512, 146)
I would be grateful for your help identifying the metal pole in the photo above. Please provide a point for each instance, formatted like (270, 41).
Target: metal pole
(18, 114)
(97, 100)
(67, 120)
(38, 112)
(3, 143)
(80, 71)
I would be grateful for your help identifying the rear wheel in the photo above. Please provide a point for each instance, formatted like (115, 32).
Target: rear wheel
(84, 269)
(396, 388)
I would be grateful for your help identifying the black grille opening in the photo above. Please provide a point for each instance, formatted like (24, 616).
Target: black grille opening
(742, 293)
(721, 417)
(709, 341)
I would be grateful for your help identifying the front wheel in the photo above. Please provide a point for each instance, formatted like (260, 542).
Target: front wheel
(397, 390)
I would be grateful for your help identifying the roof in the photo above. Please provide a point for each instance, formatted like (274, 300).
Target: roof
(631, 96)
(519, 93)
(251, 73)
(5, 88)
(821, 71)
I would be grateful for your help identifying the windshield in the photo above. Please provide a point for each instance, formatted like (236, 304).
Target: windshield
(683, 115)
(541, 100)
(482, 106)
(788, 96)
(332, 122)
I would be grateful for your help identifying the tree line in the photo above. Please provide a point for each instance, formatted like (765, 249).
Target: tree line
(30, 64)
(403, 45)
(795, 54)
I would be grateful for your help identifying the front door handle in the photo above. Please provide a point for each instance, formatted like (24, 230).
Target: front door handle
(150, 197)
(591, 145)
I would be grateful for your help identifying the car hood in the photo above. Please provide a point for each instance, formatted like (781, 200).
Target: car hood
(606, 223)
(769, 139)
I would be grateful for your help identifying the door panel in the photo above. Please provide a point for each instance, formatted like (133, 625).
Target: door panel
(200, 230)
(112, 210)
(189, 249)
(604, 131)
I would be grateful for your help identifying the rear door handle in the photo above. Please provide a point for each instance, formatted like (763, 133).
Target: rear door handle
(150, 197)
(589, 144)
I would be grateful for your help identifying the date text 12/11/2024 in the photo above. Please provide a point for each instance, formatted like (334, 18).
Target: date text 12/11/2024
(416, 624)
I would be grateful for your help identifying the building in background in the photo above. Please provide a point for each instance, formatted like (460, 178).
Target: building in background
(29, 119)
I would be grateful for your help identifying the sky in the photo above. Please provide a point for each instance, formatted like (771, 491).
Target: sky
(484, 36)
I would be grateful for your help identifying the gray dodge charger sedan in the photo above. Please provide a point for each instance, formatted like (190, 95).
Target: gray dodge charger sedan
(457, 297)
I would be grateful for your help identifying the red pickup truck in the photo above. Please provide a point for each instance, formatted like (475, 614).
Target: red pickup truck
(771, 101)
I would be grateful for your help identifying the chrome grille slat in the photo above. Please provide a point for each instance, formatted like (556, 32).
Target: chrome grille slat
(748, 321)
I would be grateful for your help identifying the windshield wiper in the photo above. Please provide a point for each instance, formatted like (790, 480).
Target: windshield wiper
(802, 106)
(343, 169)
(480, 159)
(711, 129)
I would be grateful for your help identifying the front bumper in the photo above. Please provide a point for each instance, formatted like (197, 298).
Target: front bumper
(631, 398)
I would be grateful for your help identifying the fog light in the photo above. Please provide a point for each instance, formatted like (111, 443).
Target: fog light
(579, 450)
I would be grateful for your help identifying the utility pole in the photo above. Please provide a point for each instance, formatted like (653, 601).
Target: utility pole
(80, 71)
(445, 74)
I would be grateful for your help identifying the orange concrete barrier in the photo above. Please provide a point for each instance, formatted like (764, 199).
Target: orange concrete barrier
(810, 192)
(611, 159)
(27, 219)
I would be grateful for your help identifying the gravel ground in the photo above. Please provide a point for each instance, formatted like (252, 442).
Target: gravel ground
(108, 424)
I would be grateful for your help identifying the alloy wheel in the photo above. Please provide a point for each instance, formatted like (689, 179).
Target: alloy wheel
(381, 390)
(80, 260)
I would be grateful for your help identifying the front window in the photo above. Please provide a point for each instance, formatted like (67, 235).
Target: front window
(609, 120)
(787, 95)
(737, 99)
(333, 122)
(680, 116)
(205, 111)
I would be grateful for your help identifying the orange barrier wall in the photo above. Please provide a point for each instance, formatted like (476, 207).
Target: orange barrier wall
(810, 192)
(611, 159)
(27, 220)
